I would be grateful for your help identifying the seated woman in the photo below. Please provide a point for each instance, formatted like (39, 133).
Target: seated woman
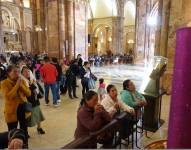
(91, 115)
(112, 104)
(130, 96)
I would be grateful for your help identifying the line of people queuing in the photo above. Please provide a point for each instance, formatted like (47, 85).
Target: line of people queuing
(21, 89)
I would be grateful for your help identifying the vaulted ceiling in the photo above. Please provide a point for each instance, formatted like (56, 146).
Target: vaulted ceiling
(108, 8)
(103, 8)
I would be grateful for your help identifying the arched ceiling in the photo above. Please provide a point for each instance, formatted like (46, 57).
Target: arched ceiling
(103, 8)
(129, 12)
(108, 8)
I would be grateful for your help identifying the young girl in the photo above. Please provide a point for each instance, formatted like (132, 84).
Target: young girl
(101, 90)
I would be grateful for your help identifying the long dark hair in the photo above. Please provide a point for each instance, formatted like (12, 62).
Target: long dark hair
(109, 87)
(126, 84)
(88, 96)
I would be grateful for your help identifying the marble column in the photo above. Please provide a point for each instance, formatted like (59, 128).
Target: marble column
(70, 28)
(118, 27)
(34, 37)
(62, 30)
(158, 30)
(52, 28)
(141, 29)
(42, 38)
(107, 37)
(116, 35)
(1, 33)
(165, 28)
(23, 41)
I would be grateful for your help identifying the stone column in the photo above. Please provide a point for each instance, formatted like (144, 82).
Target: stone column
(120, 27)
(141, 28)
(70, 28)
(176, 18)
(158, 29)
(1, 32)
(23, 41)
(165, 28)
(34, 37)
(107, 37)
(42, 38)
(62, 29)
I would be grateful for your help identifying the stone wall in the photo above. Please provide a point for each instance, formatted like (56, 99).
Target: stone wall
(180, 16)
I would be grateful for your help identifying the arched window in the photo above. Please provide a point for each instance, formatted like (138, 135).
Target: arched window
(103, 8)
(26, 3)
(129, 13)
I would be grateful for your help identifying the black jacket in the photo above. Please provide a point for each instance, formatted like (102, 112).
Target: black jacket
(70, 78)
(80, 62)
(33, 99)
(59, 70)
(75, 69)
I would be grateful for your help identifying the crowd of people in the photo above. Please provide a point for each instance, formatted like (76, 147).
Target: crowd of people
(111, 59)
(22, 77)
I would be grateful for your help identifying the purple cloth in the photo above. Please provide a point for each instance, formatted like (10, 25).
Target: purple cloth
(179, 134)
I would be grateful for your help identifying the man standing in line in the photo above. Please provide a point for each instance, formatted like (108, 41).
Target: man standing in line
(49, 75)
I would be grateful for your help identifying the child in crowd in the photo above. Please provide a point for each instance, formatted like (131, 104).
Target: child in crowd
(101, 90)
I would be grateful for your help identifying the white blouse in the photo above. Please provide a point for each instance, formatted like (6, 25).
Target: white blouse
(108, 104)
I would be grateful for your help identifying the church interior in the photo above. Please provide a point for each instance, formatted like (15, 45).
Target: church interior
(153, 33)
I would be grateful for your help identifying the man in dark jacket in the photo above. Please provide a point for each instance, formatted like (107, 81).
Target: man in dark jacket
(79, 60)
(59, 77)
(71, 75)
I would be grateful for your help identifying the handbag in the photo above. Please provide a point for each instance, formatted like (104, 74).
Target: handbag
(91, 83)
(27, 107)
(41, 91)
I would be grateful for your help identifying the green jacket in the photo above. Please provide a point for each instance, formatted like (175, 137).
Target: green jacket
(128, 98)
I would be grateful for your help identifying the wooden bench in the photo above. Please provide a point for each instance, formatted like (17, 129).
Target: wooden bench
(92, 140)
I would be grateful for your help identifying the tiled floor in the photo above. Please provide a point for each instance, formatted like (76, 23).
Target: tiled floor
(60, 122)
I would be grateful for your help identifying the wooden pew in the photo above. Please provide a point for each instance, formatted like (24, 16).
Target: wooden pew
(92, 140)
(80, 143)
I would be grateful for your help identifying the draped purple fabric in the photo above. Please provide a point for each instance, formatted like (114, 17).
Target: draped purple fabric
(179, 132)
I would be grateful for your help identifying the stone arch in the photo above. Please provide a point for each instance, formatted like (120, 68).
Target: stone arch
(6, 10)
(102, 26)
(103, 35)
(11, 22)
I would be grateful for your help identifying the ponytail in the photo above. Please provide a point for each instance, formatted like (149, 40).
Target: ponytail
(88, 96)
(82, 102)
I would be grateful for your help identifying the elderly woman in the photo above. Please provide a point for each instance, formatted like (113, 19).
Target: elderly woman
(36, 117)
(91, 115)
(112, 104)
(130, 96)
(15, 93)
